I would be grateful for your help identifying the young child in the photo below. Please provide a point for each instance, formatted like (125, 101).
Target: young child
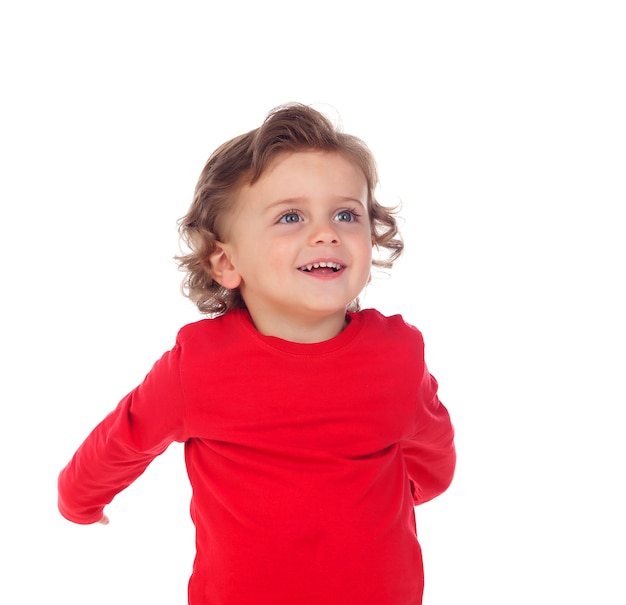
(311, 428)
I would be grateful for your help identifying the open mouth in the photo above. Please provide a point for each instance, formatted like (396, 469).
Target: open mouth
(323, 267)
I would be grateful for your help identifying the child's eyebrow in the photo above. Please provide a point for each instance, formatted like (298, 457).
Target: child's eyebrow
(294, 201)
(289, 201)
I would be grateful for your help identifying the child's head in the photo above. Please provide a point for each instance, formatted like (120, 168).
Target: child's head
(242, 161)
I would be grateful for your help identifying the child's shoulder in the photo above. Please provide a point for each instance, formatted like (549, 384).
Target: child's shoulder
(394, 326)
(395, 322)
(211, 328)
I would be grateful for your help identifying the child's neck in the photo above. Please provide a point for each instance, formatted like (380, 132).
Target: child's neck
(302, 330)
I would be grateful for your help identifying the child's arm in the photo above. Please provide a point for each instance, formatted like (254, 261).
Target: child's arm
(120, 448)
(429, 454)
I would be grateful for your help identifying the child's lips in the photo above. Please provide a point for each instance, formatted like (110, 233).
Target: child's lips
(322, 267)
(321, 271)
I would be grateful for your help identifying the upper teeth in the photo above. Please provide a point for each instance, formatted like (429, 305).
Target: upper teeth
(318, 265)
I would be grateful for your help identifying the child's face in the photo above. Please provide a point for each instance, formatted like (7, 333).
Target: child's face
(307, 209)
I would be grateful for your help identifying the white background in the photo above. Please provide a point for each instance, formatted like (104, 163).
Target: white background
(501, 128)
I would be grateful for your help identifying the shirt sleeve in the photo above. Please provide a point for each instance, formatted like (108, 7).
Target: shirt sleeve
(119, 449)
(430, 455)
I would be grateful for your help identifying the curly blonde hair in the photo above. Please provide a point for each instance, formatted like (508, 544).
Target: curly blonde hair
(242, 160)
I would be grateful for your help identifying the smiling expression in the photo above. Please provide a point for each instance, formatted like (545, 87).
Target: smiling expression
(298, 244)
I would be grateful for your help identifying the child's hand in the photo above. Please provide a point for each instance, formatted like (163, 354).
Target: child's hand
(104, 520)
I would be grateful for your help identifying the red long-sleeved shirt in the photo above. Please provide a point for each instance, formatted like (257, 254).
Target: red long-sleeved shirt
(305, 460)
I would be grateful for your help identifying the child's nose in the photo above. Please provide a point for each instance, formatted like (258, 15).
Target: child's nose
(324, 232)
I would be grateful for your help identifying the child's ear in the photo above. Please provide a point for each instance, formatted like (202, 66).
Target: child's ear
(222, 269)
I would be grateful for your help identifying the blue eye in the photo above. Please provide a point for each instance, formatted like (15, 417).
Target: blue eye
(346, 216)
(289, 217)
